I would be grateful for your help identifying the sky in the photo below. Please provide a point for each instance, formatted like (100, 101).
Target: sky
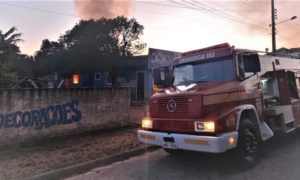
(176, 25)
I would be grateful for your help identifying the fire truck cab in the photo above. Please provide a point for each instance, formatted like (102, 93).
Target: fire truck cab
(223, 98)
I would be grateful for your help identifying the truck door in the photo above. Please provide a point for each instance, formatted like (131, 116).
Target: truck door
(248, 66)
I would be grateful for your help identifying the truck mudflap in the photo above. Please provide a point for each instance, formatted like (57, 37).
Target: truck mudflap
(212, 144)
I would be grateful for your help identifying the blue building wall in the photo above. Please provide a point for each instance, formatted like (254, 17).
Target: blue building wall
(127, 77)
(102, 82)
(88, 80)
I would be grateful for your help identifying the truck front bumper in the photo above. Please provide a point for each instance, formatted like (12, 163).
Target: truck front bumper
(199, 143)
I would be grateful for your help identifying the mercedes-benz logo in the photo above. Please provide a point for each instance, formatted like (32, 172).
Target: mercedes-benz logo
(171, 105)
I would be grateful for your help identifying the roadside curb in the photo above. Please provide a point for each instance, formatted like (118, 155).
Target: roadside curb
(86, 166)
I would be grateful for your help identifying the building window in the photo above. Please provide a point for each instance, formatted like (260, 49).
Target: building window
(75, 78)
(97, 76)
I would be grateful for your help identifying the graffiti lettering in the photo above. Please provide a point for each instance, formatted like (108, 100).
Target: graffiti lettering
(44, 118)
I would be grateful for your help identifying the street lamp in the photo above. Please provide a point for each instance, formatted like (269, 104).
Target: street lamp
(274, 33)
(292, 18)
(274, 24)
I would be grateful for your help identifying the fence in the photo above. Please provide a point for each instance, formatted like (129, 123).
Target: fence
(36, 113)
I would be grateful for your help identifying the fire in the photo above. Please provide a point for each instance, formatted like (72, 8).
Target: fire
(75, 78)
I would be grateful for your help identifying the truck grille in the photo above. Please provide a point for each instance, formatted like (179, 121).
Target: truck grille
(174, 126)
(186, 107)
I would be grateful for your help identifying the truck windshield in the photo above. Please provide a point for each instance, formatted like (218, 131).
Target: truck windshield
(208, 71)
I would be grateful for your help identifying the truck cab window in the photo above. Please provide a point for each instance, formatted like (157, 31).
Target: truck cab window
(206, 71)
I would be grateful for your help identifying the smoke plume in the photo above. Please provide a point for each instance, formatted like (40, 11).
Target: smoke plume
(96, 9)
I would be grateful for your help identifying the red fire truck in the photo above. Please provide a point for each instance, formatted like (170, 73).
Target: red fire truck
(223, 98)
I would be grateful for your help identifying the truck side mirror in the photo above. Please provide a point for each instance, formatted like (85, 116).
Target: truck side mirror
(251, 63)
(162, 77)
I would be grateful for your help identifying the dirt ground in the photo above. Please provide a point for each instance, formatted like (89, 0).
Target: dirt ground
(19, 161)
(25, 161)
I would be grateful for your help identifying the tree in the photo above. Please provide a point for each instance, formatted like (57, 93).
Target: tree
(49, 48)
(127, 35)
(106, 42)
(47, 58)
(93, 45)
(119, 36)
(8, 54)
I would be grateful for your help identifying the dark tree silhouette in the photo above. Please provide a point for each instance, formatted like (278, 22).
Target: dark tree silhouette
(9, 51)
(93, 45)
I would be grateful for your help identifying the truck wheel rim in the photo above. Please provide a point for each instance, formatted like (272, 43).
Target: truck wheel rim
(251, 143)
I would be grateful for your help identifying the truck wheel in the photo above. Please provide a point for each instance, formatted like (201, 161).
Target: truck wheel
(248, 143)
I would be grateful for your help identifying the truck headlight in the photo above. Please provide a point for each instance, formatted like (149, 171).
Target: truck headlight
(205, 126)
(147, 123)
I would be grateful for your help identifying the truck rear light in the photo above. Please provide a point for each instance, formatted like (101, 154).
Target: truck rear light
(205, 126)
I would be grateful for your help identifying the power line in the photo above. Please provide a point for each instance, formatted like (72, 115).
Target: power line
(259, 6)
(231, 17)
(215, 12)
(263, 4)
(166, 5)
(181, 7)
(248, 19)
(278, 12)
(294, 25)
(208, 10)
(169, 29)
(256, 6)
(170, 15)
(37, 9)
(289, 42)
(197, 8)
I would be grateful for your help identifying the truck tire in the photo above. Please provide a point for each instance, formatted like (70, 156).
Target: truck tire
(248, 145)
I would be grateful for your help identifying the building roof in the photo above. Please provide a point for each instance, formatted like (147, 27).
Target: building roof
(285, 52)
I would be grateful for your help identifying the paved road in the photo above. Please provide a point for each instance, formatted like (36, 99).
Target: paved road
(280, 160)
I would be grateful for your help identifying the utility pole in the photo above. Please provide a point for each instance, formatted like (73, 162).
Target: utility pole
(273, 27)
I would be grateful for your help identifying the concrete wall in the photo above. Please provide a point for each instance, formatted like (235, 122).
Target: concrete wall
(34, 114)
